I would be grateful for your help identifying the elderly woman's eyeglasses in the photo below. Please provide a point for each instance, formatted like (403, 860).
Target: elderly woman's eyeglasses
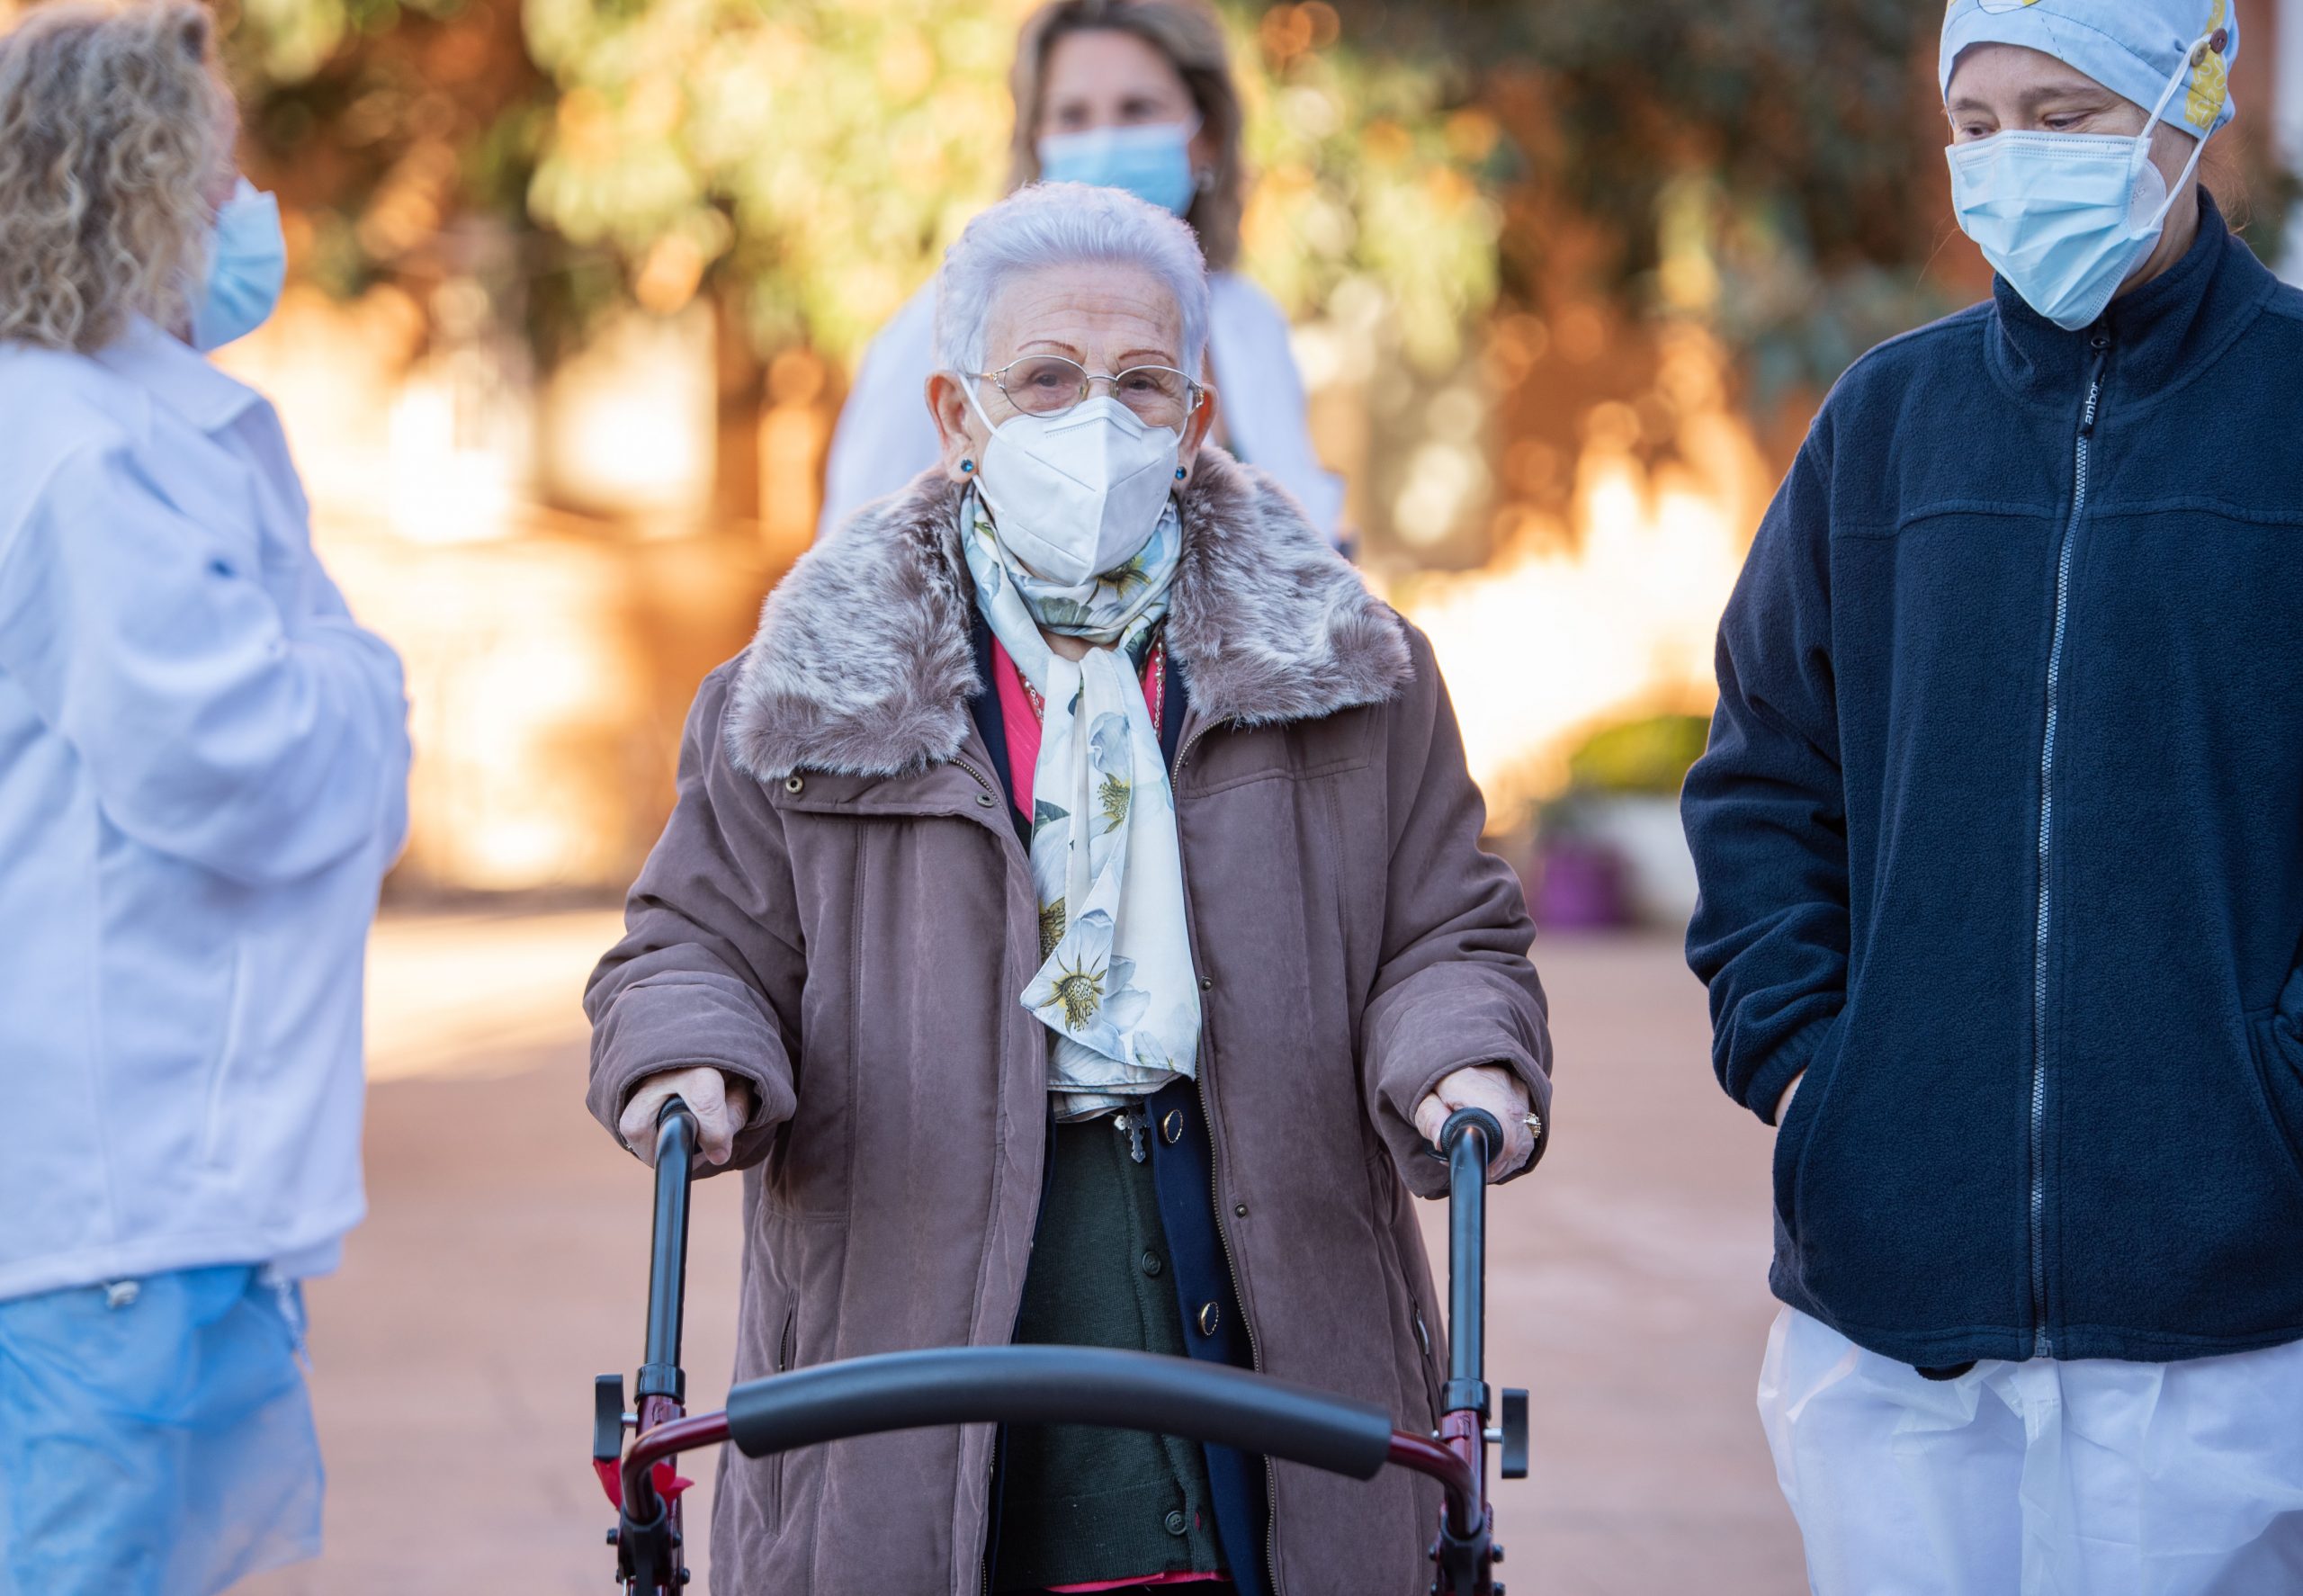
(1049, 385)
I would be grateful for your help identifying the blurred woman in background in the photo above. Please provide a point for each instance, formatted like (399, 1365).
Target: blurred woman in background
(1134, 94)
(202, 773)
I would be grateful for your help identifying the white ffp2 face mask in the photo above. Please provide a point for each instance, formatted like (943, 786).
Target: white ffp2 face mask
(2066, 217)
(1077, 494)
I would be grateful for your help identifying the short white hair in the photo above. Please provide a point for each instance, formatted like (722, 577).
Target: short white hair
(1064, 224)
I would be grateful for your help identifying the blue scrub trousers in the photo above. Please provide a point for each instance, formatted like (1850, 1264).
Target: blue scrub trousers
(156, 1436)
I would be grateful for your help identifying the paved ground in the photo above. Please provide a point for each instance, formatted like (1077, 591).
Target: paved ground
(504, 1265)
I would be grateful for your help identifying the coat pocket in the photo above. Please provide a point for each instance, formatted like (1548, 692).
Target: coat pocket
(216, 1137)
(787, 1352)
(2276, 1054)
(1420, 1327)
(1797, 1132)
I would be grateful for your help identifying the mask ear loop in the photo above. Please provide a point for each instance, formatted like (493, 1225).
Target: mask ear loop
(2193, 59)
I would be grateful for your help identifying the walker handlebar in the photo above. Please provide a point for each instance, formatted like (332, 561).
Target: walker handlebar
(1033, 1385)
(1107, 1387)
(1100, 1386)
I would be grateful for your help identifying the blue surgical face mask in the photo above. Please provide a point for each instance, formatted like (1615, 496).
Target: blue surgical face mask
(247, 264)
(1153, 162)
(2066, 217)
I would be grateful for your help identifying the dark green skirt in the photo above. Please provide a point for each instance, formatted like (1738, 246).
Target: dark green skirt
(1080, 1505)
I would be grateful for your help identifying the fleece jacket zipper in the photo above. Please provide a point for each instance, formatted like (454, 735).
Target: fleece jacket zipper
(2042, 1342)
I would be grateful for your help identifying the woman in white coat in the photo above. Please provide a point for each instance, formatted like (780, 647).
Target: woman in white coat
(203, 778)
(1135, 95)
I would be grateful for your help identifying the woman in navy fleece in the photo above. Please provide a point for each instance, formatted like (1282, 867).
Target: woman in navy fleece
(2000, 842)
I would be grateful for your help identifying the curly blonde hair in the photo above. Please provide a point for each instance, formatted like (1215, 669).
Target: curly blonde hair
(113, 122)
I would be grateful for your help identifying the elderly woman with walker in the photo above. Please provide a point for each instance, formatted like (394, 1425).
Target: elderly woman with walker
(1074, 923)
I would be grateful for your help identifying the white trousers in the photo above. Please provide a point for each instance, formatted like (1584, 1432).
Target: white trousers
(2089, 1478)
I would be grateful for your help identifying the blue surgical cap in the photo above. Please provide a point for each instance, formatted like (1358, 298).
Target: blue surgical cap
(2133, 47)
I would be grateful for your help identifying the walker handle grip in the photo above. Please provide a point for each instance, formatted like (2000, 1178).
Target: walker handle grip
(1041, 1385)
(676, 1134)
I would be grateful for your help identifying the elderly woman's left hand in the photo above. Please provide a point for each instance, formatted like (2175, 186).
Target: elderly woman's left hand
(1490, 1087)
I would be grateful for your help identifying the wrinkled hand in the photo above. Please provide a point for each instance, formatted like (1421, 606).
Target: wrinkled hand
(1490, 1087)
(720, 1104)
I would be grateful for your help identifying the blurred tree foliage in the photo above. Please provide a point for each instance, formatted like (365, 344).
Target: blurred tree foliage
(383, 121)
(1748, 163)
(808, 160)
(817, 155)
(1752, 163)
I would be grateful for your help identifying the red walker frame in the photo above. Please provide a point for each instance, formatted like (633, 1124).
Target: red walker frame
(1197, 1401)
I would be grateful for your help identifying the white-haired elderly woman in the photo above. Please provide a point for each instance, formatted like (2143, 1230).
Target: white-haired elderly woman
(1074, 923)
(202, 772)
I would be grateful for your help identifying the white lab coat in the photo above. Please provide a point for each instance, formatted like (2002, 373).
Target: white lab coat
(886, 437)
(203, 768)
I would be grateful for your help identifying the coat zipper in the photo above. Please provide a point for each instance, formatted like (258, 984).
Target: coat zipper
(1176, 773)
(1223, 1231)
(991, 1469)
(2042, 1343)
(983, 780)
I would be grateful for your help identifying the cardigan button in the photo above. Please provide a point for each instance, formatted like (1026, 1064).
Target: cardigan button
(1171, 1128)
(1152, 1264)
(1210, 1316)
(1176, 1522)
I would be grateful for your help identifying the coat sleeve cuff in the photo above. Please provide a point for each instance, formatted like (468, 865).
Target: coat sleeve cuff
(1425, 1031)
(658, 1025)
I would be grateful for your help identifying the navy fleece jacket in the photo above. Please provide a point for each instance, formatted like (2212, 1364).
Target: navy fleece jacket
(2000, 831)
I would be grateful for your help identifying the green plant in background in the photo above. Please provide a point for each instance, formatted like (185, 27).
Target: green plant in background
(1637, 760)
(1648, 756)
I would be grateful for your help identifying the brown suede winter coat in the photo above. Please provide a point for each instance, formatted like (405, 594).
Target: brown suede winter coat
(840, 912)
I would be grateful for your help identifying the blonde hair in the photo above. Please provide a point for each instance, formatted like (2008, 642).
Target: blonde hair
(111, 123)
(1187, 32)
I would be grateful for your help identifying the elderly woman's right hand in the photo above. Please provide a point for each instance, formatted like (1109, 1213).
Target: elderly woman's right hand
(720, 1104)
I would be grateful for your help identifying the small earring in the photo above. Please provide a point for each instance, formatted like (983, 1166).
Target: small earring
(967, 465)
(1179, 474)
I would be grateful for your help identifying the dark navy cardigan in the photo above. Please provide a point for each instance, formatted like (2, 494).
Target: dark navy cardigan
(2000, 831)
(1184, 1172)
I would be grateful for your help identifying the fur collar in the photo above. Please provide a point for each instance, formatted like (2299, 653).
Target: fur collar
(863, 664)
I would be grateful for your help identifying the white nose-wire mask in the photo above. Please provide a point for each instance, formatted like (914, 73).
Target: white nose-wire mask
(2064, 217)
(1077, 494)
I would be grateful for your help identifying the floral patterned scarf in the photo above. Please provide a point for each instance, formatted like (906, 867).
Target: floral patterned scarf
(1115, 985)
